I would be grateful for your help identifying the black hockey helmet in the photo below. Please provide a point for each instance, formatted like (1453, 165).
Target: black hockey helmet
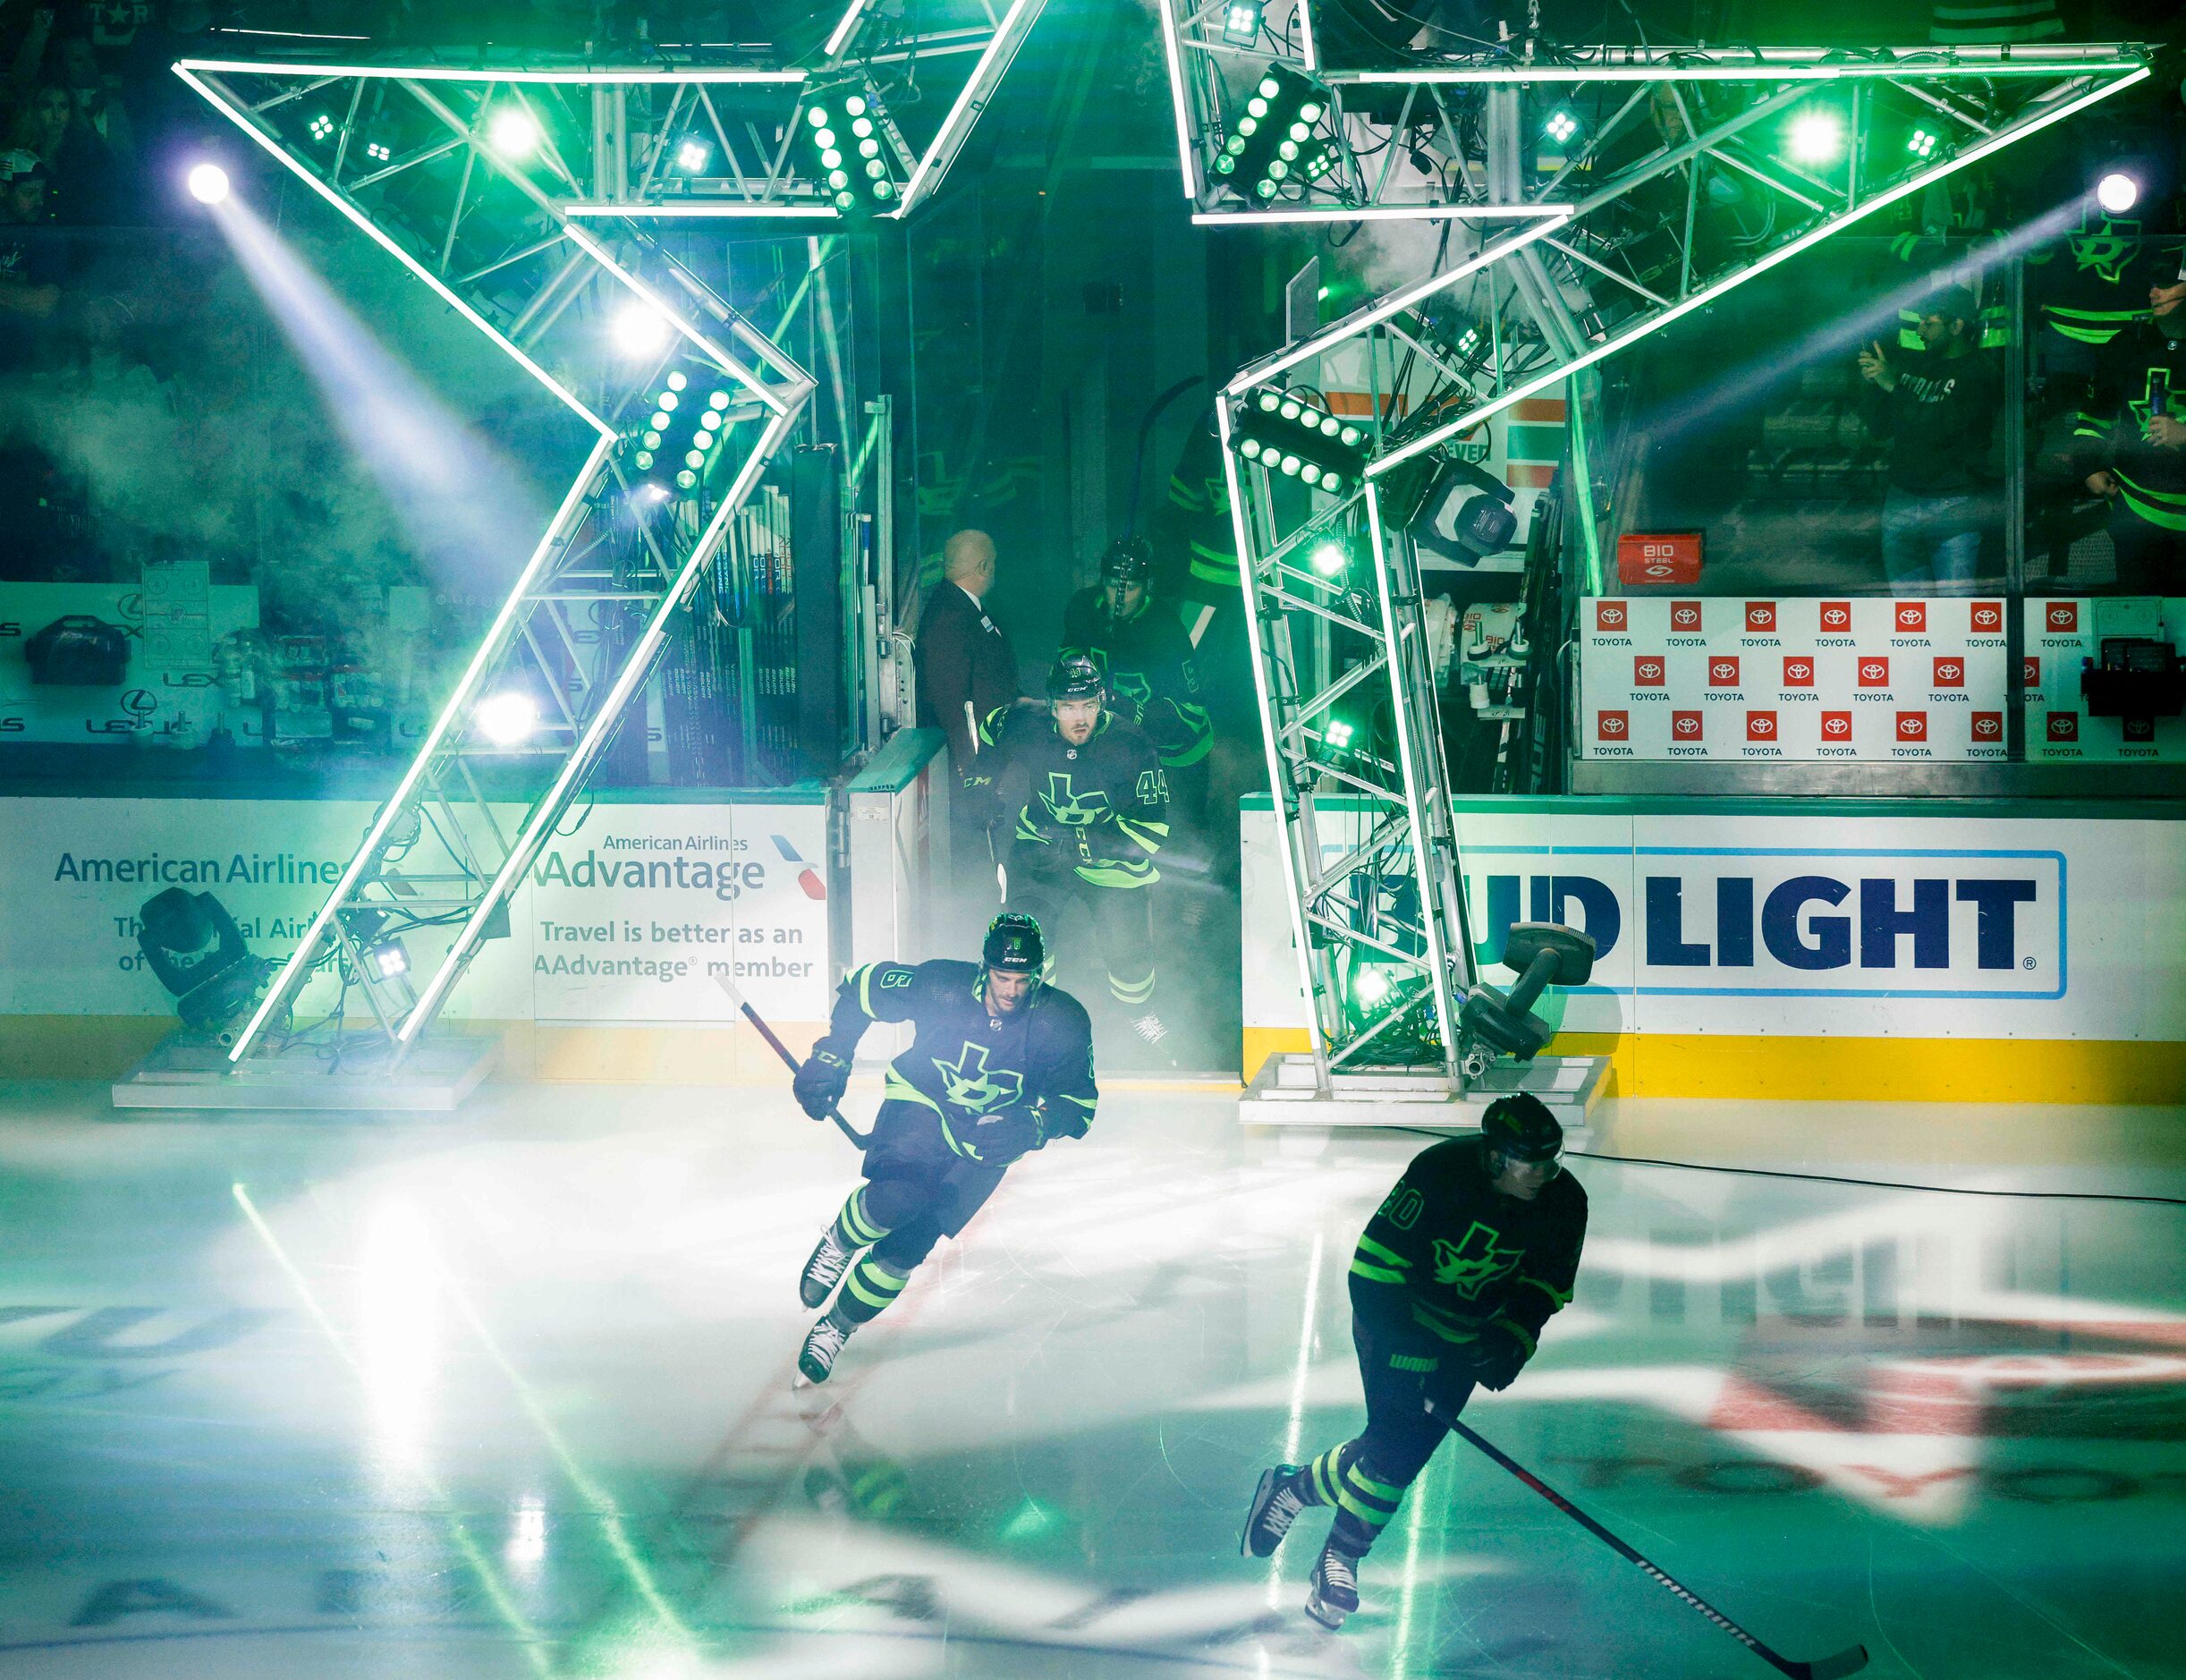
(1129, 560)
(1076, 677)
(1013, 945)
(1519, 1128)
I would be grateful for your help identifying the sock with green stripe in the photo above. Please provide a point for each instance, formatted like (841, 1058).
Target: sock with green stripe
(869, 1290)
(855, 1227)
(1364, 1501)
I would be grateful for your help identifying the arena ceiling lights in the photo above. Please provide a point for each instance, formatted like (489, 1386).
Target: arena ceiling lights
(479, 181)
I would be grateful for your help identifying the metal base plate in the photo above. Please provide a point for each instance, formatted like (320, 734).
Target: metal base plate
(186, 1073)
(1283, 1093)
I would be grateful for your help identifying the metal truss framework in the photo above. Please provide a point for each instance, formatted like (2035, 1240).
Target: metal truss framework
(1633, 233)
(409, 154)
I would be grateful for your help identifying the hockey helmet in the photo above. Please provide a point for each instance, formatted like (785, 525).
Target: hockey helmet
(1129, 560)
(1076, 677)
(1013, 945)
(1519, 1128)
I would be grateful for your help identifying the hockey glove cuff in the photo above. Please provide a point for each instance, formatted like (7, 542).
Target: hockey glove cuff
(1000, 1139)
(820, 1082)
(1500, 1354)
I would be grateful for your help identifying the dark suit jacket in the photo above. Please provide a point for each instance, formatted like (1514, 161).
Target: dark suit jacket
(962, 655)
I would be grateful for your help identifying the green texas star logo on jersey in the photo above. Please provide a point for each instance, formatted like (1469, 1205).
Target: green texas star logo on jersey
(1471, 1266)
(966, 1083)
(1065, 805)
(2106, 249)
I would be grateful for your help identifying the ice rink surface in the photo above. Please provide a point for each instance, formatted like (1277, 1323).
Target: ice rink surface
(509, 1395)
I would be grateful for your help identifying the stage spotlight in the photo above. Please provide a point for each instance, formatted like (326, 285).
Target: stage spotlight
(208, 184)
(1336, 737)
(508, 718)
(1818, 136)
(194, 948)
(320, 126)
(1921, 143)
(841, 138)
(693, 156)
(1287, 434)
(2117, 192)
(377, 151)
(640, 329)
(1273, 133)
(1241, 22)
(514, 133)
(387, 959)
(1331, 558)
(1465, 515)
(1561, 126)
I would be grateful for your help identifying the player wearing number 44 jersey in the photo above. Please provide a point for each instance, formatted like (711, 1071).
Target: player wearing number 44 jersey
(1460, 1267)
(1000, 1064)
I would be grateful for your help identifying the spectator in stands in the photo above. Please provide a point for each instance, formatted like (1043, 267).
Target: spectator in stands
(30, 260)
(1938, 409)
(2134, 436)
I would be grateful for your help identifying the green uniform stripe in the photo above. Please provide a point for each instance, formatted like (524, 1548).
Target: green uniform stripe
(875, 1285)
(2165, 509)
(865, 989)
(1324, 1476)
(1372, 1515)
(1382, 1252)
(1117, 872)
(1367, 1488)
(1524, 1335)
(1376, 1274)
(1562, 1297)
(857, 1224)
(1131, 991)
(895, 1088)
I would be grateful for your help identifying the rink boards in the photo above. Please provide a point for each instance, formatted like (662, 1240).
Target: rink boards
(2011, 952)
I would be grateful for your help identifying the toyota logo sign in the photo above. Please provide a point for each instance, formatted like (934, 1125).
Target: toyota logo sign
(1912, 725)
(1686, 726)
(1912, 616)
(1760, 725)
(1837, 725)
(1874, 674)
(1761, 617)
(2062, 615)
(1950, 673)
(2064, 725)
(1612, 725)
(1723, 672)
(1647, 671)
(2031, 670)
(1988, 617)
(1798, 673)
(1988, 726)
(1609, 616)
(1685, 614)
(1836, 616)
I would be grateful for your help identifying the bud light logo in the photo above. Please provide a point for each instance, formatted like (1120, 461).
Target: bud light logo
(1760, 618)
(2062, 618)
(1912, 725)
(1722, 671)
(1987, 728)
(1612, 726)
(1685, 726)
(1836, 618)
(1798, 671)
(1648, 670)
(1610, 617)
(1950, 671)
(1685, 616)
(2064, 725)
(1761, 727)
(2031, 670)
(1837, 726)
(1985, 618)
(1874, 671)
(1911, 619)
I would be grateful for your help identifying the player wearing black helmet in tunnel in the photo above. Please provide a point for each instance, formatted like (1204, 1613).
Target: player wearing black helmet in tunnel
(1146, 659)
(1000, 1064)
(1464, 1261)
(1088, 806)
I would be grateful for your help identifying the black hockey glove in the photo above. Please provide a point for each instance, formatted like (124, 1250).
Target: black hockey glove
(820, 1082)
(1498, 1356)
(1001, 1138)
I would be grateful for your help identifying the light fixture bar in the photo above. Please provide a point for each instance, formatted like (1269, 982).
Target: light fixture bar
(1378, 213)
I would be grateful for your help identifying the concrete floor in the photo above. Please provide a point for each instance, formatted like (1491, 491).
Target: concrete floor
(509, 1396)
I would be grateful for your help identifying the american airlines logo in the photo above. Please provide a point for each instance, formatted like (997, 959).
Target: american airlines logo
(1722, 671)
(1685, 615)
(1836, 618)
(1798, 671)
(1875, 671)
(2061, 616)
(1950, 671)
(1685, 726)
(1760, 725)
(1911, 617)
(1761, 617)
(1609, 616)
(1912, 725)
(1612, 725)
(1986, 618)
(1649, 671)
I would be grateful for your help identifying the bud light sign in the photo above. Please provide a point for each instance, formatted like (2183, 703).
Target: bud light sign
(1772, 922)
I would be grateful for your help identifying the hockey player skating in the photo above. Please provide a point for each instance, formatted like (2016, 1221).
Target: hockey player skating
(1455, 1275)
(1090, 809)
(999, 1064)
(1146, 659)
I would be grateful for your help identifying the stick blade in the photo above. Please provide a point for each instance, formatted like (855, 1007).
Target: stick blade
(736, 997)
(1833, 1668)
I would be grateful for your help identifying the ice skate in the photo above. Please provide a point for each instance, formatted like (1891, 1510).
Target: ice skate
(823, 1342)
(824, 1270)
(1275, 1505)
(1334, 1592)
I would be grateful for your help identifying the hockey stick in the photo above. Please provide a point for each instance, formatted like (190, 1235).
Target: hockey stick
(1002, 875)
(781, 1050)
(1828, 1668)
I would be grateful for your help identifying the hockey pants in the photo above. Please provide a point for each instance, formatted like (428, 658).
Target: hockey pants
(1365, 1478)
(917, 1192)
(1123, 918)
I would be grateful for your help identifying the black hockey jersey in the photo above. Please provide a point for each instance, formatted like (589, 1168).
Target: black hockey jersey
(1103, 807)
(964, 1064)
(1449, 1253)
(1147, 661)
(2143, 374)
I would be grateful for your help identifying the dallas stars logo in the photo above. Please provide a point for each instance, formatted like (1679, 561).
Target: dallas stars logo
(2106, 249)
(1471, 1266)
(2156, 398)
(966, 1083)
(1067, 807)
